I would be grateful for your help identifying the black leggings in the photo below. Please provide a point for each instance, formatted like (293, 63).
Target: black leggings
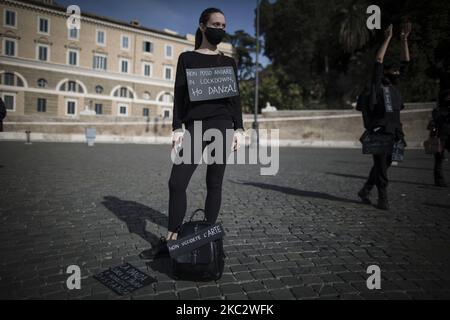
(439, 158)
(182, 173)
(438, 168)
(378, 173)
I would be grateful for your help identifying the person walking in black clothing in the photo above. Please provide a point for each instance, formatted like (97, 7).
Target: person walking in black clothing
(383, 112)
(223, 114)
(440, 126)
(2, 113)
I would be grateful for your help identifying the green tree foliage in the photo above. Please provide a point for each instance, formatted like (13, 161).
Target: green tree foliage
(322, 52)
(245, 47)
(247, 93)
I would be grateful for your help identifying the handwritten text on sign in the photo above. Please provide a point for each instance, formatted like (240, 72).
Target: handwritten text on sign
(124, 279)
(211, 83)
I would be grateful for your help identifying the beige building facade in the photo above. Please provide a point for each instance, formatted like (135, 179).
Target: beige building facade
(48, 68)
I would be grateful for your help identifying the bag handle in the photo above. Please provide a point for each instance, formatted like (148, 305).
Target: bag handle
(193, 214)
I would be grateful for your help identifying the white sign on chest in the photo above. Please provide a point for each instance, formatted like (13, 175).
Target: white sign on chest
(211, 83)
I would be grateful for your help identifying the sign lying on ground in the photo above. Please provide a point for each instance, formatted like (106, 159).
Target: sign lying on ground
(124, 279)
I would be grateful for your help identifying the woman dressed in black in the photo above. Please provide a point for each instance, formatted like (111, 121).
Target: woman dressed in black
(223, 114)
(384, 113)
(440, 127)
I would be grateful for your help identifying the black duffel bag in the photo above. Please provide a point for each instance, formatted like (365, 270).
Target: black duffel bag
(377, 142)
(203, 263)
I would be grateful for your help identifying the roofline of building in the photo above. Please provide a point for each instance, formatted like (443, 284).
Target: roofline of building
(63, 10)
(98, 17)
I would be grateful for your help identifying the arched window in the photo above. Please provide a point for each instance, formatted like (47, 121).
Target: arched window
(166, 97)
(10, 79)
(71, 86)
(123, 92)
(42, 83)
(146, 95)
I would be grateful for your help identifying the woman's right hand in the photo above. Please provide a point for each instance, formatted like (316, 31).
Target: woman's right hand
(177, 137)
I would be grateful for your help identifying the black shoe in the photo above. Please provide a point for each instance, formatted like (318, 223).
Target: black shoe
(157, 251)
(364, 195)
(383, 204)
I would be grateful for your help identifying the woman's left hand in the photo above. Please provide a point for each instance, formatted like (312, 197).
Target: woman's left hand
(238, 139)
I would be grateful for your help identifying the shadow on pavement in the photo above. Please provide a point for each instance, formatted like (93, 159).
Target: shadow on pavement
(365, 178)
(437, 205)
(135, 215)
(298, 192)
(400, 166)
(161, 265)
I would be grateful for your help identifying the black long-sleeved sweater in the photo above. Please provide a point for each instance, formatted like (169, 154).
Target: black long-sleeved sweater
(185, 110)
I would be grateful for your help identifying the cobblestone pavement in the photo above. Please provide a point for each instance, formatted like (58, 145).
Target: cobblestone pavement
(301, 234)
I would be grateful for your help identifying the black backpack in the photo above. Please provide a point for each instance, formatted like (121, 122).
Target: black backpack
(204, 263)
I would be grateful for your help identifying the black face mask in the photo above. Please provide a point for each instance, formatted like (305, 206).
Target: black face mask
(393, 78)
(214, 35)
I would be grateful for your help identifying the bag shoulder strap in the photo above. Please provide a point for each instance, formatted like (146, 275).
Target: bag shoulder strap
(387, 98)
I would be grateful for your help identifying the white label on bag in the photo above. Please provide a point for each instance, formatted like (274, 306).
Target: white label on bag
(387, 99)
(195, 240)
